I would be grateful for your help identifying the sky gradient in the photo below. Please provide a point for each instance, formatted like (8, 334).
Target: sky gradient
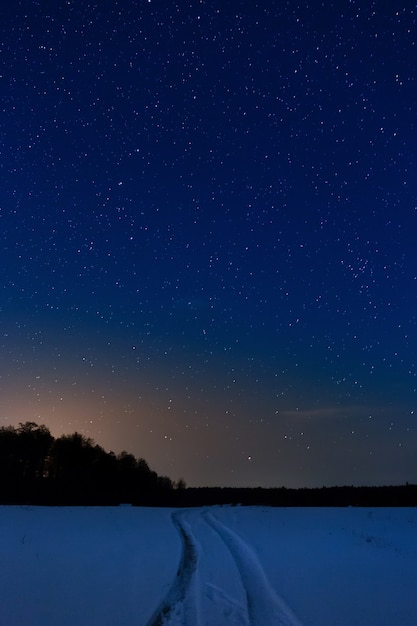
(208, 219)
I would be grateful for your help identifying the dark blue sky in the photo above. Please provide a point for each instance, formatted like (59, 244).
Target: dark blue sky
(208, 216)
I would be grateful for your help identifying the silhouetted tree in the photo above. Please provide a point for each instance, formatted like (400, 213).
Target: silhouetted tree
(180, 484)
(23, 458)
(34, 444)
(9, 464)
(74, 468)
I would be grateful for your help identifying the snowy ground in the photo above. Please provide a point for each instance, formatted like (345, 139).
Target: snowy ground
(214, 566)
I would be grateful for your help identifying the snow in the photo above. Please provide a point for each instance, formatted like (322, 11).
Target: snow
(234, 566)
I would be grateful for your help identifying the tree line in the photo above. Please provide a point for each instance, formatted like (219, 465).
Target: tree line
(337, 496)
(36, 468)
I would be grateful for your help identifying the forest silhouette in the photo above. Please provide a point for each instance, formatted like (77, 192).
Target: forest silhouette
(72, 469)
(38, 469)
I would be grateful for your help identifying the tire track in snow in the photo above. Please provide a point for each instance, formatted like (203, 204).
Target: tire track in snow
(265, 607)
(177, 609)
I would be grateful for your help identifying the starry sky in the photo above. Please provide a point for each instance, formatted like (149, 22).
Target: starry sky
(208, 216)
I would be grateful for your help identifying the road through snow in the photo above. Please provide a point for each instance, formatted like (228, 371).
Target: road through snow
(220, 581)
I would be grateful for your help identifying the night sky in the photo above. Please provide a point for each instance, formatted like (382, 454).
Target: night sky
(208, 220)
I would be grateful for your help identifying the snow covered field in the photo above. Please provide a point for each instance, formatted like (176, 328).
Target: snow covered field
(213, 566)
